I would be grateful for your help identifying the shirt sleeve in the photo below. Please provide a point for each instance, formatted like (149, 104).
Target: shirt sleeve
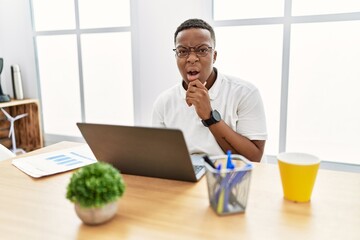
(251, 117)
(158, 114)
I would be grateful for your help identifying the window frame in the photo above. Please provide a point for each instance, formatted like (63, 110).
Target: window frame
(53, 138)
(288, 20)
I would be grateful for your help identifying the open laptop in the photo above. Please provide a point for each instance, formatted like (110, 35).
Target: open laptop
(144, 151)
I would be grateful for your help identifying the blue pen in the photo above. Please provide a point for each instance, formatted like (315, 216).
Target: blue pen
(239, 176)
(223, 197)
(221, 191)
(227, 192)
(219, 167)
(229, 164)
(218, 179)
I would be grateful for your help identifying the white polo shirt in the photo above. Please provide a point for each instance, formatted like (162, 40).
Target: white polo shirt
(239, 103)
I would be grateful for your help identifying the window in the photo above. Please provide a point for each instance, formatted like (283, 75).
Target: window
(84, 63)
(235, 9)
(105, 82)
(113, 13)
(49, 15)
(307, 52)
(259, 48)
(323, 110)
(315, 7)
(60, 86)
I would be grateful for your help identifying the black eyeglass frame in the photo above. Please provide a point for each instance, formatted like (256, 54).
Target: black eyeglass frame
(195, 50)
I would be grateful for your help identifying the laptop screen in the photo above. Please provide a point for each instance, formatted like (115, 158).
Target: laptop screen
(144, 151)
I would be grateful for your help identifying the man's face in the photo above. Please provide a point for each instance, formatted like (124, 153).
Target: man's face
(195, 67)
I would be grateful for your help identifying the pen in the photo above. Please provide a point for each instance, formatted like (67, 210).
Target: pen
(208, 161)
(226, 189)
(229, 164)
(220, 197)
(219, 167)
(225, 186)
(240, 174)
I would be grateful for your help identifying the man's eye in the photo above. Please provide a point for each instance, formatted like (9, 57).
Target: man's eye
(202, 50)
(182, 51)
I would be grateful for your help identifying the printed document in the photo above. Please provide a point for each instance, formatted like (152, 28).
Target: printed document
(55, 162)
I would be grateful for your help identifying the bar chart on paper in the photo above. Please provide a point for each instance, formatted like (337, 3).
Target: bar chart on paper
(55, 162)
(71, 159)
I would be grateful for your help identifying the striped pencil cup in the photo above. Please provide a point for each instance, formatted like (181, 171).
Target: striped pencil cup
(228, 189)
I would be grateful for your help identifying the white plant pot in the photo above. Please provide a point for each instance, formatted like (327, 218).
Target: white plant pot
(94, 216)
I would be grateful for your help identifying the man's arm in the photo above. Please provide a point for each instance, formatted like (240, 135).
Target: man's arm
(227, 138)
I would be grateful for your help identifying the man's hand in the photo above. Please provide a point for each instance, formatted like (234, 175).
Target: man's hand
(197, 96)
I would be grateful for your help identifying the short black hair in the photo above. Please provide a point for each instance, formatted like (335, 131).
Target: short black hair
(195, 23)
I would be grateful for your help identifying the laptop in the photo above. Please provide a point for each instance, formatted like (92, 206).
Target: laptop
(144, 151)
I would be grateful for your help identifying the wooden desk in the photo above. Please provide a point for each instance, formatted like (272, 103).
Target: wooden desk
(28, 131)
(163, 209)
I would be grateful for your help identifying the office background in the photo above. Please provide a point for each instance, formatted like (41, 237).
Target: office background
(83, 66)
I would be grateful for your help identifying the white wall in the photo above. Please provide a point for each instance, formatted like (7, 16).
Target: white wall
(153, 25)
(16, 45)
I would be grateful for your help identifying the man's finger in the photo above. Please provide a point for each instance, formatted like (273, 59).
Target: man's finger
(197, 84)
(188, 102)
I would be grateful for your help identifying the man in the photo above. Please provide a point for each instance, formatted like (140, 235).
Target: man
(215, 112)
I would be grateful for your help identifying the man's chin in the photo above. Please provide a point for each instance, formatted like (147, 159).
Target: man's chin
(192, 78)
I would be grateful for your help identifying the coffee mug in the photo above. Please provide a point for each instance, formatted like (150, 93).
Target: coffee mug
(298, 174)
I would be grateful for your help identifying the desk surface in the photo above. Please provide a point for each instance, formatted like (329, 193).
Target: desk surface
(154, 208)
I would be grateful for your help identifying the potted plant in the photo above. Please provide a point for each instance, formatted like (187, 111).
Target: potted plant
(95, 189)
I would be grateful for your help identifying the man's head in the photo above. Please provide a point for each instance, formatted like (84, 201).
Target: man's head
(195, 51)
(195, 23)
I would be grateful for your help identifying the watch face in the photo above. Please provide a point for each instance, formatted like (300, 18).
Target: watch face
(216, 115)
(214, 118)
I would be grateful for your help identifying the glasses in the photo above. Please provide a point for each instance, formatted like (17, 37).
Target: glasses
(183, 52)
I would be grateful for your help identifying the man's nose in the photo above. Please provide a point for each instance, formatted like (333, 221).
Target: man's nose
(192, 57)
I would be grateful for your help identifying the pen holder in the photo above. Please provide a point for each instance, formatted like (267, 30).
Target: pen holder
(228, 188)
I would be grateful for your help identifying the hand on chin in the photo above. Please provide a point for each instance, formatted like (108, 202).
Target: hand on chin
(193, 88)
(192, 80)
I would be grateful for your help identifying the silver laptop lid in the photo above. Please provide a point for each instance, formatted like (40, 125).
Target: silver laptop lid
(144, 151)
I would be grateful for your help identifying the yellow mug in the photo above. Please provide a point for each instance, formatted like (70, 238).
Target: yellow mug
(298, 173)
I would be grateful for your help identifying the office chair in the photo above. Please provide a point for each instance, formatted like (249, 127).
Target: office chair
(5, 153)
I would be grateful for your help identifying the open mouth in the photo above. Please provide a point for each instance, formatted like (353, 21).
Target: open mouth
(193, 75)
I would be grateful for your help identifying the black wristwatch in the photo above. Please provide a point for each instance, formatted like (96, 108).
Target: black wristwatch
(215, 117)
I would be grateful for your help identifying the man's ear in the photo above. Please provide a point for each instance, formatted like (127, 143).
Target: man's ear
(215, 55)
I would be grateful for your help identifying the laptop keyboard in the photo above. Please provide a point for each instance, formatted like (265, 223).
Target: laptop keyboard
(197, 168)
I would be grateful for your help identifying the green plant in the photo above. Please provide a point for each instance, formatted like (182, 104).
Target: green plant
(95, 185)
